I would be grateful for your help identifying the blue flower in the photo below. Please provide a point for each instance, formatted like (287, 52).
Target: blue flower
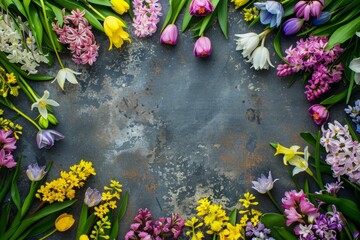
(271, 13)
(292, 26)
(324, 17)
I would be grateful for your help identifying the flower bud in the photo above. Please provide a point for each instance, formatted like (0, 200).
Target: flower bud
(92, 197)
(64, 222)
(43, 122)
(292, 26)
(324, 17)
(120, 6)
(202, 47)
(169, 35)
(35, 173)
(52, 119)
(46, 138)
(319, 113)
(201, 7)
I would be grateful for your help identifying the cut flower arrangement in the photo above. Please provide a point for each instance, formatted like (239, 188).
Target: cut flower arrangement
(326, 54)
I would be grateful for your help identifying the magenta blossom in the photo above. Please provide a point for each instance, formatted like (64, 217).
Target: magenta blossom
(202, 47)
(319, 113)
(7, 143)
(309, 8)
(201, 7)
(169, 35)
(6, 159)
(46, 138)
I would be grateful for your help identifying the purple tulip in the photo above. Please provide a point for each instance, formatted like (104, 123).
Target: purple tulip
(319, 113)
(202, 47)
(169, 35)
(46, 138)
(271, 12)
(292, 26)
(324, 17)
(309, 8)
(92, 197)
(201, 7)
(35, 173)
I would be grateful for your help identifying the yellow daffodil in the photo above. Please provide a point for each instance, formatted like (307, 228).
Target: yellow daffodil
(301, 164)
(239, 3)
(120, 6)
(288, 152)
(113, 28)
(64, 222)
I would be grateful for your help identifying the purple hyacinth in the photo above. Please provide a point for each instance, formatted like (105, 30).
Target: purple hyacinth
(257, 232)
(354, 113)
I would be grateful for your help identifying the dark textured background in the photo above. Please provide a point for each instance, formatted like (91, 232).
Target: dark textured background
(173, 128)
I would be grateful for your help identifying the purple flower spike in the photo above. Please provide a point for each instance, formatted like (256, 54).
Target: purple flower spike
(309, 9)
(271, 12)
(319, 113)
(202, 47)
(46, 138)
(169, 35)
(201, 7)
(292, 26)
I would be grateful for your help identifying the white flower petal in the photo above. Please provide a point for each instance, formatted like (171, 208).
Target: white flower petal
(355, 65)
(43, 112)
(52, 103)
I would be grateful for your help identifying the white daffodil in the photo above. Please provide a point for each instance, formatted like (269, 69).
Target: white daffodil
(355, 67)
(260, 58)
(42, 103)
(301, 164)
(66, 74)
(247, 42)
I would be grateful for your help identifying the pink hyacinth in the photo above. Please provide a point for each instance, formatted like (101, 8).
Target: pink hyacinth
(7, 159)
(310, 55)
(7, 142)
(76, 32)
(146, 18)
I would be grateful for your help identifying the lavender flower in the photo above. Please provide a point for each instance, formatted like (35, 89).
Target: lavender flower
(264, 184)
(201, 7)
(271, 12)
(35, 173)
(202, 47)
(46, 138)
(333, 188)
(319, 113)
(257, 232)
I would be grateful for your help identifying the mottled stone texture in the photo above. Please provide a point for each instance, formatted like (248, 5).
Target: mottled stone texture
(173, 128)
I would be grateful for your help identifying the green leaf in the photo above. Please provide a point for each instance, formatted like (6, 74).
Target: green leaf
(105, 3)
(351, 130)
(277, 45)
(223, 17)
(346, 206)
(168, 15)
(187, 17)
(82, 220)
(57, 12)
(4, 217)
(285, 234)
(276, 221)
(121, 212)
(70, 5)
(14, 233)
(274, 145)
(334, 98)
(317, 161)
(36, 26)
(309, 138)
(344, 33)
(232, 216)
(15, 195)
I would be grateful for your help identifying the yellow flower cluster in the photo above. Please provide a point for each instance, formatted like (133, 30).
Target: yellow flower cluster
(8, 84)
(63, 188)
(109, 198)
(247, 213)
(7, 125)
(250, 13)
(100, 228)
(239, 3)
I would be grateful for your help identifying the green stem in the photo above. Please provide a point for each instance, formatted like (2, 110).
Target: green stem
(25, 116)
(95, 11)
(274, 202)
(28, 200)
(49, 32)
(49, 234)
(178, 11)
